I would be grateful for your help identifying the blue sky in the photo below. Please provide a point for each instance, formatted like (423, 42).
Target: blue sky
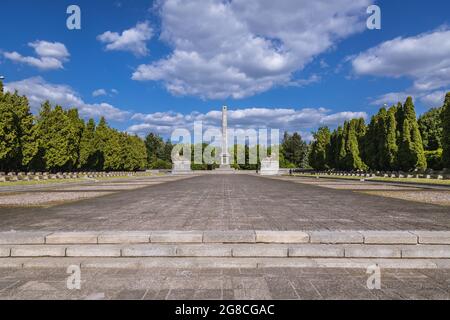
(291, 64)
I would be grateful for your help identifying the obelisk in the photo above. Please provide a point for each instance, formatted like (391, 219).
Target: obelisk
(225, 156)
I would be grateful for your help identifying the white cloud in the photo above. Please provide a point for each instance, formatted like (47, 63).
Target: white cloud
(424, 58)
(434, 99)
(430, 99)
(104, 92)
(391, 98)
(281, 118)
(50, 55)
(38, 90)
(240, 48)
(99, 92)
(133, 40)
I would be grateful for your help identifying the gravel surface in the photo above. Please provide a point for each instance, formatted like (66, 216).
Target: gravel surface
(433, 197)
(363, 186)
(104, 187)
(44, 198)
(349, 185)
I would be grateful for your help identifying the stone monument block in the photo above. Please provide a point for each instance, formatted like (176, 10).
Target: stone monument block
(270, 166)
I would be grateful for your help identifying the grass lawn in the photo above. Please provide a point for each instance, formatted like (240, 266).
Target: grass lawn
(382, 179)
(54, 181)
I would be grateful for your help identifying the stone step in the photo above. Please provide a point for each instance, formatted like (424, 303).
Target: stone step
(222, 263)
(250, 237)
(221, 250)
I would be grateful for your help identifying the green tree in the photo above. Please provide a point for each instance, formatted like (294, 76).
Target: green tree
(411, 152)
(318, 153)
(18, 143)
(101, 139)
(76, 126)
(353, 160)
(294, 149)
(112, 151)
(391, 148)
(431, 129)
(87, 158)
(55, 139)
(155, 148)
(445, 118)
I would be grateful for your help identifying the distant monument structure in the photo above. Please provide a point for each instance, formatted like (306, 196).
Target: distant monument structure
(270, 166)
(225, 155)
(181, 163)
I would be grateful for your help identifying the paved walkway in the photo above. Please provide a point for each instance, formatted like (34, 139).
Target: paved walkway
(279, 283)
(230, 202)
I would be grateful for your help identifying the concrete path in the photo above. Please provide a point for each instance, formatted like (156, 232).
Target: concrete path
(230, 202)
(200, 284)
(236, 255)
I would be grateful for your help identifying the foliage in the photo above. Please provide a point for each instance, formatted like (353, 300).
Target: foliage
(445, 118)
(59, 140)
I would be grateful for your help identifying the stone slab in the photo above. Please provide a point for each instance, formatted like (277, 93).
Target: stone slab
(426, 251)
(111, 263)
(12, 263)
(149, 251)
(52, 262)
(176, 237)
(442, 263)
(229, 237)
(38, 251)
(364, 263)
(312, 250)
(286, 263)
(203, 251)
(23, 237)
(93, 251)
(72, 238)
(389, 237)
(124, 237)
(335, 237)
(260, 250)
(177, 263)
(372, 251)
(433, 237)
(282, 237)
(5, 251)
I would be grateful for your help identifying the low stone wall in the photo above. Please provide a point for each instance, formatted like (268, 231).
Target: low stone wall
(37, 176)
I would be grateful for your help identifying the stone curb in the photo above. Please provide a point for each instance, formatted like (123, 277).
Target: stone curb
(275, 237)
(223, 263)
(256, 250)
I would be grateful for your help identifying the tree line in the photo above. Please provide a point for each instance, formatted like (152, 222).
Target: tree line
(59, 140)
(393, 140)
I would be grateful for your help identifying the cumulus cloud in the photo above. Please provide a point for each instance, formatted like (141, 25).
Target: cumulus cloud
(429, 99)
(104, 92)
(133, 40)
(99, 92)
(240, 48)
(424, 58)
(282, 118)
(50, 55)
(38, 90)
